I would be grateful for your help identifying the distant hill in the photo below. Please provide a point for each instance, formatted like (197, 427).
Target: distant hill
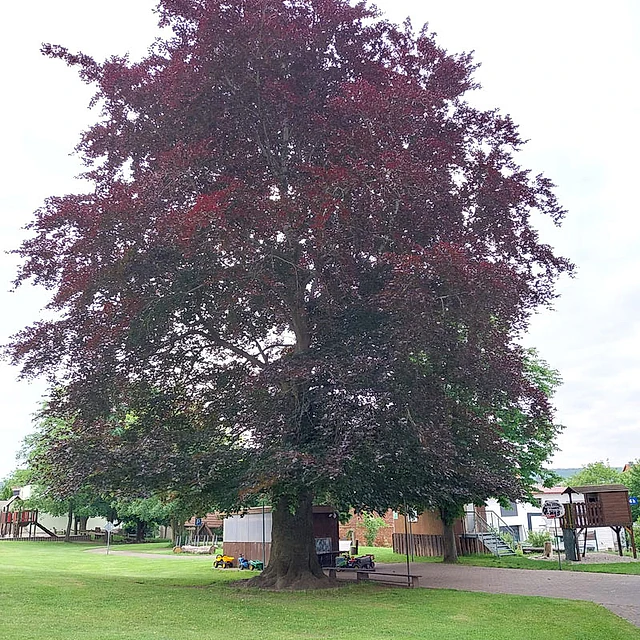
(567, 473)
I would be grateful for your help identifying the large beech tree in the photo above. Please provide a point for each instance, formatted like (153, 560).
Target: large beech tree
(300, 228)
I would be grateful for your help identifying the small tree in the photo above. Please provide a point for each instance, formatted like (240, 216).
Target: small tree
(632, 479)
(17, 478)
(372, 523)
(596, 473)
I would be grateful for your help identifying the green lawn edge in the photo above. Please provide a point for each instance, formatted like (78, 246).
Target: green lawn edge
(56, 590)
(386, 555)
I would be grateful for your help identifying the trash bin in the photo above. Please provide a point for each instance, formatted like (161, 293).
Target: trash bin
(569, 537)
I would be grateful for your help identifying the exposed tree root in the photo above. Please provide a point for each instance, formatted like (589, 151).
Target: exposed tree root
(297, 582)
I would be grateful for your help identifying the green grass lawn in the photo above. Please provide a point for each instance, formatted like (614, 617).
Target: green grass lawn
(163, 548)
(385, 554)
(55, 590)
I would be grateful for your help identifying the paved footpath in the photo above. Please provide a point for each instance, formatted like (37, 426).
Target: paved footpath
(618, 593)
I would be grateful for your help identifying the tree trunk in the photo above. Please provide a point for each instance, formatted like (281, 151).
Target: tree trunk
(67, 536)
(450, 548)
(293, 563)
(449, 513)
(82, 521)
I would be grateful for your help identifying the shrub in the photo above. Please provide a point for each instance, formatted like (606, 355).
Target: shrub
(509, 539)
(538, 538)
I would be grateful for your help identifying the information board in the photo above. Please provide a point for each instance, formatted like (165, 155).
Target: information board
(552, 509)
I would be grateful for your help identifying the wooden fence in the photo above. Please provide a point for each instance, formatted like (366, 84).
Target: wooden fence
(433, 546)
(61, 538)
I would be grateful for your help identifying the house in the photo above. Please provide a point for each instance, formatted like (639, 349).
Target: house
(355, 528)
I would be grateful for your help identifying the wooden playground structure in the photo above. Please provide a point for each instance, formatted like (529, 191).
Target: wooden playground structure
(605, 505)
(17, 523)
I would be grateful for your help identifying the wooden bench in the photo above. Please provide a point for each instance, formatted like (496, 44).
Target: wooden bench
(365, 574)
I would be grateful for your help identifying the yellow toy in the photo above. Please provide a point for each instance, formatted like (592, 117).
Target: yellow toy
(223, 562)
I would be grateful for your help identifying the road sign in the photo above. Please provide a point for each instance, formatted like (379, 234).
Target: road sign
(198, 522)
(109, 527)
(633, 500)
(552, 509)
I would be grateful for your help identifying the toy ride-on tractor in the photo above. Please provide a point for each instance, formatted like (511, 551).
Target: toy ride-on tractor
(347, 561)
(223, 562)
(243, 563)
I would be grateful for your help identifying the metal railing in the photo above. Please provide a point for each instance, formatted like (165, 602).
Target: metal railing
(490, 525)
(196, 541)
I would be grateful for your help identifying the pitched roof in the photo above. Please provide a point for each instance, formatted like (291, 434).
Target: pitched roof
(4, 504)
(557, 490)
(597, 488)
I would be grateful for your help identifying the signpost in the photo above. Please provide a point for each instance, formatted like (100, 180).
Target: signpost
(108, 528)
(552, 510)
(633, 500)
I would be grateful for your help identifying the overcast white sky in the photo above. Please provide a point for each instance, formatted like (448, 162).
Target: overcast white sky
(566, 71)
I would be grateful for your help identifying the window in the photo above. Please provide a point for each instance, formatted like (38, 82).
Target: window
(511, 510)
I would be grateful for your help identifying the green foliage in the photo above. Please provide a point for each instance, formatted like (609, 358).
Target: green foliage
(59, 497)
(538, 538)
(535, 434)
(141, 515)
(632, 479)
(596, 473)
(17, 478)
(508, 539)
(372, 524)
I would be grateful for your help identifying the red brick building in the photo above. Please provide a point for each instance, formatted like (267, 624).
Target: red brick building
(385, 534)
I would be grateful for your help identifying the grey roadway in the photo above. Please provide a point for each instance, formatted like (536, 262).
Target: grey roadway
(618, 593)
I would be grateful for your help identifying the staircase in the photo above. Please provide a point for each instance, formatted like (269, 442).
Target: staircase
(488, 531)
(494, 543)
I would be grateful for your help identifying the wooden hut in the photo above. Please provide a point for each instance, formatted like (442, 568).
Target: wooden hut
(602, 505)
(205, 527)
(249, 534)
(422, 535)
